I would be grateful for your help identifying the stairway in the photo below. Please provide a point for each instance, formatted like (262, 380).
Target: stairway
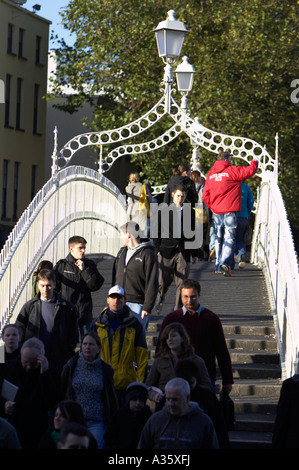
(243, 307)
(256, 389)
(256, 370)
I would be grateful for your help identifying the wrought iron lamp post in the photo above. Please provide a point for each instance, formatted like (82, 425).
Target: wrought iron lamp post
(184, 76)
(170, 37)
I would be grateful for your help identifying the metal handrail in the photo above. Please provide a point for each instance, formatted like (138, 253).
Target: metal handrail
(273, 249)
(66, 204)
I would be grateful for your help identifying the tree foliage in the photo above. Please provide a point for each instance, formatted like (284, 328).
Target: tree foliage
(244, 54)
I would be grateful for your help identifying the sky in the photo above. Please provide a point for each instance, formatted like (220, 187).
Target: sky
(50, 9)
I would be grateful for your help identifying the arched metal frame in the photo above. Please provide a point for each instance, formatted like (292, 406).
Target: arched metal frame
(200, 136)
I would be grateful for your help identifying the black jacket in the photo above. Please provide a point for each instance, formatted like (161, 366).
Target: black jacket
(166, 241)
(76, 286)
(286, 430)
(139, 277)
(124, 428)
(64, 337)
(37, 396)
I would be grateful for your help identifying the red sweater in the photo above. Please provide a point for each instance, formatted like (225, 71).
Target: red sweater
(222, 190)
(207, 337)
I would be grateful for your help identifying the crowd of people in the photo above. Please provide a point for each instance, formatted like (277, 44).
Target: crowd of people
(76, 378)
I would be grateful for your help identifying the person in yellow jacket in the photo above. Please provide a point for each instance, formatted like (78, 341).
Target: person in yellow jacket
(123, 341)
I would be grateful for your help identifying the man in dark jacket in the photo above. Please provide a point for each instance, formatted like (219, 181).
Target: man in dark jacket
(205, 330)
(76, 278)
(184, 179)
(177, 239)
(38, 388)
(181, 424)
(50, 318)
(136, 271)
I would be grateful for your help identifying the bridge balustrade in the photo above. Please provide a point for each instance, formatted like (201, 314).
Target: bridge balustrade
(76, 201)
(273, 249)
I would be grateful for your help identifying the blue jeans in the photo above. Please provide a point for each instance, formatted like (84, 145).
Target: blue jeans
(97, 429)
(212, 236)
(240, 245)
(136, 310)
(225, 231)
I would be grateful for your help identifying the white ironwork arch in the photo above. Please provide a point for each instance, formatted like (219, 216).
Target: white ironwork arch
(62, 159)
(241, 147)
(144, 147)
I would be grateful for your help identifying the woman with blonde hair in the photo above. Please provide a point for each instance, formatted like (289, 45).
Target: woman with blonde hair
(133, 192)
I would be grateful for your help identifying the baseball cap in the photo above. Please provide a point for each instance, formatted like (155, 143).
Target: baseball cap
(116, 290)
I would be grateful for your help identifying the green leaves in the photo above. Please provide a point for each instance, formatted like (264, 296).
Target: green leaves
(245, 55)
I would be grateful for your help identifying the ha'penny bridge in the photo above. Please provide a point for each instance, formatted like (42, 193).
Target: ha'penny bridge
(257, 306)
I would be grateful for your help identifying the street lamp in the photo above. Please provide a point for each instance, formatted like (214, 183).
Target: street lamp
(170, 36)
(185, 75)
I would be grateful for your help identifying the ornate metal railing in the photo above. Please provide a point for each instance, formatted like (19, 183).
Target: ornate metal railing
(77, 200)
(273, 249)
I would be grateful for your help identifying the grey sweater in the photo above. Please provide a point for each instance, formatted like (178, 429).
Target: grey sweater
(194, 430)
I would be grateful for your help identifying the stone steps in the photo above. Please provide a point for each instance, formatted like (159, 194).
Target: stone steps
(250, 440)
(257, 378)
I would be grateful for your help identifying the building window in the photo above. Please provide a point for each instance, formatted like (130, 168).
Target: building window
(33, 180)
(35, 108)
(16, 191)
(4, 188)
(10, 39)
(19, 104)
(38, 50)
(7, 101)
(21, 44)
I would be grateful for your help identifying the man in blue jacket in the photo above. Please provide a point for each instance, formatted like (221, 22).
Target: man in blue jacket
(247, 202)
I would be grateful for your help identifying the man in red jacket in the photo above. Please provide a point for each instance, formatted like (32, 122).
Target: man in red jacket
(222, 195)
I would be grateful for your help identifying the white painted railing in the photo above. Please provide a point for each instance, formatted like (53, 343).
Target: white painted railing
(273, 249)
(77, 201)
